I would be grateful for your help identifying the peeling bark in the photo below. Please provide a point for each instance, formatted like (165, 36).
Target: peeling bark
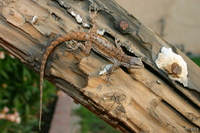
(136, 100)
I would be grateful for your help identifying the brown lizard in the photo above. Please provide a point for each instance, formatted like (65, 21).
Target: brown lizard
(92, 41)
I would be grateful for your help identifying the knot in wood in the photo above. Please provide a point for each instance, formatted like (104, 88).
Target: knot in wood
(123, 24)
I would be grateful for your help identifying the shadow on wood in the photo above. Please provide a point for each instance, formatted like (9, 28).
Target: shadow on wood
(137, 99)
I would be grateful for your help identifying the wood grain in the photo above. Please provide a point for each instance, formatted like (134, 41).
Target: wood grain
(136, 100)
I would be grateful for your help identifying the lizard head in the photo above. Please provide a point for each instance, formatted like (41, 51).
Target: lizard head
(136, 63)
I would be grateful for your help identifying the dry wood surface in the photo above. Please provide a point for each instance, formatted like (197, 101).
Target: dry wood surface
(136, 100)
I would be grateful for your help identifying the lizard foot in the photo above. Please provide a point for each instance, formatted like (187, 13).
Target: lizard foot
(118, 43)
(108, 78)
(107, 70)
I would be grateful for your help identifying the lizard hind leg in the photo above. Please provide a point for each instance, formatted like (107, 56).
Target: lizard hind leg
(72, 46)
(85, 48)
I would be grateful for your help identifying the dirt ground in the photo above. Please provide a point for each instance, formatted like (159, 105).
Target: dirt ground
(177, 20)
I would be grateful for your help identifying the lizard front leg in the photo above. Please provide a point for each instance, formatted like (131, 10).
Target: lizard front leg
(93, 20)
(110, 70)
(118, 43)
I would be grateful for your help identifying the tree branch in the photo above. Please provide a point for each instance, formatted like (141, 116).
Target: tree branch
(137, 100)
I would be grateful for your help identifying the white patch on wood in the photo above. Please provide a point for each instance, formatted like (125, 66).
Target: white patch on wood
(85, 25)
(73, 13)
(101, 32)
(34, 19)
(173, 65)
(105, 69)
(78, 18)
(61, 3)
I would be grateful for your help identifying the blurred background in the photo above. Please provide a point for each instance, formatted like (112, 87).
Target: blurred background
(176, 20)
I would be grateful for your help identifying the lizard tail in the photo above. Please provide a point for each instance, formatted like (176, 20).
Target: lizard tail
(41, 95)
(42, 67)
(81, 36)
(49, 49)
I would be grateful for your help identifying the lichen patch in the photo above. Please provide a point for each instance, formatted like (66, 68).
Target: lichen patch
(173, 65)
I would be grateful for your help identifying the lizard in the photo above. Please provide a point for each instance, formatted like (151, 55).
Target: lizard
(93, 41)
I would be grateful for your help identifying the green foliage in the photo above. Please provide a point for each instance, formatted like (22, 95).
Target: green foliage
(20, 93)
(196, 60)
(90, 123)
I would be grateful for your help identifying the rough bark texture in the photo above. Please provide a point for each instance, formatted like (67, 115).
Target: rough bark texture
(137, 100)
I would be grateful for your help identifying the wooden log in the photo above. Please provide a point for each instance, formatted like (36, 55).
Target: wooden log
(137, 100)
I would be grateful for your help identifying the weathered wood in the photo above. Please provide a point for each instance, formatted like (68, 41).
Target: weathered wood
(137, 100)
